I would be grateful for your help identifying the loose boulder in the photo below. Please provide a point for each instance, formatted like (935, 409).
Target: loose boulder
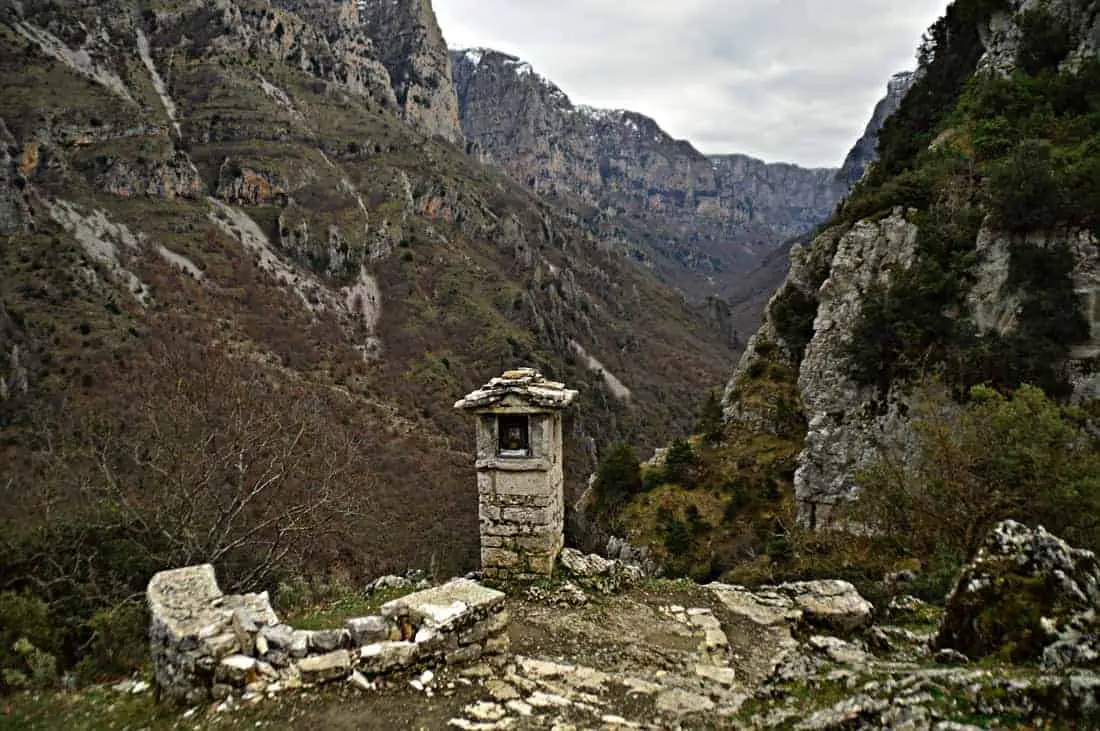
(1026, 597)
(598, 573)
(833, 606)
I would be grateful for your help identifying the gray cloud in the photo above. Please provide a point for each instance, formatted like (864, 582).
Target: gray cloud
(784, 80)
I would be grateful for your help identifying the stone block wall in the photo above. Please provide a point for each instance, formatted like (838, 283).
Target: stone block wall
(521, 505)
(206, 644)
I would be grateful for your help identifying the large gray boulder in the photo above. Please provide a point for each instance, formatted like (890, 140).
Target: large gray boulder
(833, 606)
(596, 572)
(1027, 596)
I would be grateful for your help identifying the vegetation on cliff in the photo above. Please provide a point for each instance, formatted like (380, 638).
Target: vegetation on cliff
(975, 160)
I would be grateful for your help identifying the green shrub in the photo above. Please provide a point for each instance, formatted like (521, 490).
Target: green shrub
(711, 425)
(793, 313)
(973, 465)
(1045, 41)
(680, 462)
(1024, 190)
(618, 478)
(119, 643)
(29, 642)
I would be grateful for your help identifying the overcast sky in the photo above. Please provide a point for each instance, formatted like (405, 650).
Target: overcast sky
(783, 80)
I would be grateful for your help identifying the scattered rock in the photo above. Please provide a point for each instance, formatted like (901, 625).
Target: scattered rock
(947, 656)
(829, 605)
(1027, 596)
(601, 574)
(324, 668)
(383, 657)
(365, 630)
(359, 681)
(389, 583)
(839, 651)
(679, 702)
(716, 674)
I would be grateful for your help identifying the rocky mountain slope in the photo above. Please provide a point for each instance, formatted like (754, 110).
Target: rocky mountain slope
(967, 254)
(865, 150)
(698, 222)
(246, 276)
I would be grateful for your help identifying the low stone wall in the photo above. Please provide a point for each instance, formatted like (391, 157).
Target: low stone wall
(206, 644)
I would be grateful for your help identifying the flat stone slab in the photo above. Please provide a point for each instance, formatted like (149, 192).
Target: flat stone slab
(442, 605)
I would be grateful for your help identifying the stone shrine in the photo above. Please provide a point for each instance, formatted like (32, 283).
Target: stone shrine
(520, 479)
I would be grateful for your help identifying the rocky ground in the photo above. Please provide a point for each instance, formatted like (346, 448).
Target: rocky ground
(662, 655)
(603, 648)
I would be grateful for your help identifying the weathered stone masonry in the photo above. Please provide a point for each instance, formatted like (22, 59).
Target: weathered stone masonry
(206, 644)
(519, 473)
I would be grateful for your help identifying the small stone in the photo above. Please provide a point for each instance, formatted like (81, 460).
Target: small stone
(278, 637)
(501, 691)
(426, 677)
(359, 681)
(365, 630)
(483, 711)
(329, 640)
(464, 655)
(520, 708)
(477, 671)
(680, 702)
(498, 645)
(382, 657)
(721, 675)
(299, 643)
(538, 699)
(262, 646)
(323, 668)
(235, 669)
(257, 687)
(619, 721)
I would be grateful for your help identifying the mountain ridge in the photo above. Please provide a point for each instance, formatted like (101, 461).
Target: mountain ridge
(715, 214)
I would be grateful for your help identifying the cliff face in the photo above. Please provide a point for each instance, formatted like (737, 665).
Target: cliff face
(258, 188)
(412, 48)
(699, 222)
(866, 148)
(844, 319)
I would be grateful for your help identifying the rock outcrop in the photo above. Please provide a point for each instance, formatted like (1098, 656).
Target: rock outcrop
(833, 276)
(1002, 36)
(815, 316)
(699, 221)
(832, 606)
(412, 48)
(865, 150)
(1026, 597)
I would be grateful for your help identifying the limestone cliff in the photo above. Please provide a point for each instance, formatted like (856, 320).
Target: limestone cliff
(412, 48)
(700, 222)
(971, 283)
(866, 148)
